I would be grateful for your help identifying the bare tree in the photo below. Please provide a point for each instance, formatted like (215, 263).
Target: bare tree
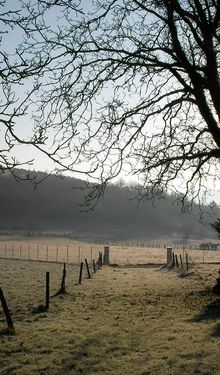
(124, 85)
(16, 23)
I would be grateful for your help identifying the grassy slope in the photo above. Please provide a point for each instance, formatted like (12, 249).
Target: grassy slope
(135, 321)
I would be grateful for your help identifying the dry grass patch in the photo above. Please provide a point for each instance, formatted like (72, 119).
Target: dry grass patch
(131, 320)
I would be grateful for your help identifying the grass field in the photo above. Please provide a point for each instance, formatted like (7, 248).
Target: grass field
(73, 252)
(127, 319)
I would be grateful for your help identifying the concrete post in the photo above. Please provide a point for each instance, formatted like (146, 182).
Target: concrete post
(169, 256)
(106, 261)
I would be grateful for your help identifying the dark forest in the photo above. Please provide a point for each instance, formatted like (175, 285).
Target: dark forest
(56, 204)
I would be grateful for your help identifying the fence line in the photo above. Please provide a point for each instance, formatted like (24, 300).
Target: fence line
(76, 252)
(44, 307)
(46, 253)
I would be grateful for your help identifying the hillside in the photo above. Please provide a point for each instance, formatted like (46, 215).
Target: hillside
(55, 205)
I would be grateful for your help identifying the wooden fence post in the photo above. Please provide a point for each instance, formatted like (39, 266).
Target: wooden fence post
(63, 286)
(62, 289)
(173, 260)
(47, 290)
(187, 262)
(100, 259)
(80, 272)
(7, 313)
(181, 261)
(87, 267)
(176, 260)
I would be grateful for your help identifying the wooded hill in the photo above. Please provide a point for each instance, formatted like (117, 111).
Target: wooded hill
(55, 206)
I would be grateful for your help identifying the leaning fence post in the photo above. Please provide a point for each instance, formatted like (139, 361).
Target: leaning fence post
(173, 260)
(62, 288)
(7, 313)
(100, 259)
(176, 259)
(47, 290)
(87, 267)
(80, 272)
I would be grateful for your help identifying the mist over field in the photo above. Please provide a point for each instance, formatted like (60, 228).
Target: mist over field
(55, 206)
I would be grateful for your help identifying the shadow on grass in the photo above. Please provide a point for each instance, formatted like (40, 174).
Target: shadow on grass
(211, 312)
(185, 274)
(41, 308)
(179, 271)
(216, 331)
(84, 358)
(6, 332)
(142, 265)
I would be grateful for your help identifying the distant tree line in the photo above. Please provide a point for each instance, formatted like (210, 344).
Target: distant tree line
(216, 227)
(55, 204)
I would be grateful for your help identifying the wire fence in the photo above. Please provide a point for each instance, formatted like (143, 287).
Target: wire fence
(73, 252)
(122, 255)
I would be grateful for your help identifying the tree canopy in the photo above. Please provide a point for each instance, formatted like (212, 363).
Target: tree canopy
(116, 85)
(216, 227)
